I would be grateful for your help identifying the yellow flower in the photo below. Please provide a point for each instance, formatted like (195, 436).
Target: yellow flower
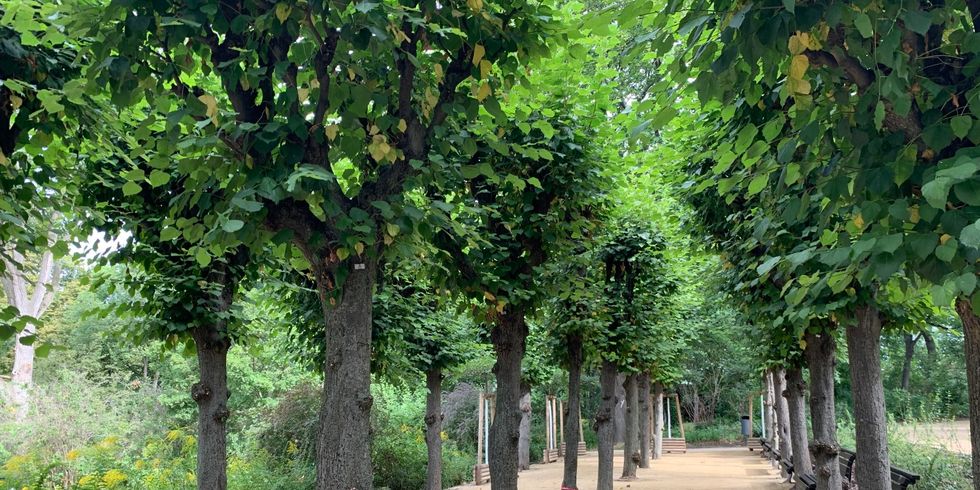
(15, 463)
(86, 480)
(139, 464)
(443, 436)
(292, 448)
(113, 478)
(72, 455)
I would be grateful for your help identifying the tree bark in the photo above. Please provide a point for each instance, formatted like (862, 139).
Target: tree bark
(508, 336)
(344, 438)
(604, 426)
(795, 390)
(821, 358)
(782, 418)
(658, 420)
(619, 415)
(643, 387)
(631, 438)
(771, 413)
(433, 429)
(872, 467)
(570, 476)
(524, 430)
(971, 346)
(907, 362)
(30, 303)
(211, 395)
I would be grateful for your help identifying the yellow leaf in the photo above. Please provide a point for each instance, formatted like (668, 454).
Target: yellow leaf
(799, 42)
(439, 73)
(302, 94)
(485, 67)
(478, 52)
(3, 158)
(359, 248)
(388, 239)
(16, 101)
(798, 66)
(342, 253)
(392, 229)
(489, 296)
(351, 74)
(483, 91)
(914, 214)
(402, 125)
(945, 238)
(212, 106)
(859, 221)
(373, 130)
(331, 131)
(475, 5)
(282, 12)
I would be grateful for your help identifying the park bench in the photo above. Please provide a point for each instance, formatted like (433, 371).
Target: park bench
(845, 457)
(901, 479)
(674, 445)
(788, 466)
(808, 481)
(766, 447)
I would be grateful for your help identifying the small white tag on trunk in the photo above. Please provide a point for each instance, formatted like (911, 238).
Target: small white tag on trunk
(359, 267)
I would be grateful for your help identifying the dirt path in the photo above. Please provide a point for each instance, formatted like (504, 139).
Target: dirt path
(952, 436)
(715, 468)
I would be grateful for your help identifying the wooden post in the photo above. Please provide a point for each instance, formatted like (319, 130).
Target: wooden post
(680, 418)
(561, 422)
(479, 430)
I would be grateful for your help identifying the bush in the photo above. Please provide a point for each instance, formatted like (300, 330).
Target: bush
(723, 431)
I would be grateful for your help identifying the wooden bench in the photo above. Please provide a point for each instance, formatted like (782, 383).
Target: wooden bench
(674, 445)
(581, 449)
(808, 481)
(549, 455)
(766, 447)
(788, 466)
(481, 474)
(845, 457)
(901, 479)
(756, 444)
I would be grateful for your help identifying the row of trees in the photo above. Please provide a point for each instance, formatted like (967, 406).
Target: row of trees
(342, 148)
(839, 181)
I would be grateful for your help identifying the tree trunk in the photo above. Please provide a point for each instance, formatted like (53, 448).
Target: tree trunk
(30, 303)
(619, 415)
(658, 420)
(643, 387)
(524, 430)
(907, 363)
(971, 344)
(433, 429)
(631, 439)
(782, 418)
(771, 414)
(604, 426)
(570, 477)
(344, 438)
(930, 345)
(508, 336)
(821, 358)
(211, 395)
(795, 391)
(872, 467)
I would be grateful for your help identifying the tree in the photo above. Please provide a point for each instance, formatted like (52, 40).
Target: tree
(332, 110)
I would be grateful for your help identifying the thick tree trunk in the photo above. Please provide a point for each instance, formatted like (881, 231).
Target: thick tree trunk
(619, 415)
(907, 362)
(33, 303)
(344, 438)
(433, 429)
(771, 414)
(524, 431)
(508, 336)
(643, 387)
(782, 418)
(795, 391)
(872, 467)
(930, 344)
(211, 395)
(971, 344)
(604, 426)
(821, 358)
(631, 439)
(658, 420)
(570, 477)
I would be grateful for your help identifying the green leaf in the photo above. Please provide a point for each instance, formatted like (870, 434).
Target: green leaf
(966, 282)
(879, 114)
(961, 125)
(169, 233)
(936, 192)
(863, 24)
(947, 251)
(767, 266)
(758, 183)
(970, 235)
(917, 21)
(158, 178)
(790, 5)
(233, 225)
(131, 188)
(202, 256)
